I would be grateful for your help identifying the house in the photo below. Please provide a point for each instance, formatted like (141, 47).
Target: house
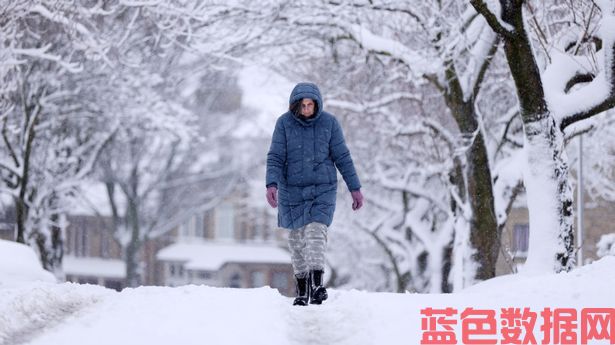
(230, 246)
(227, 264)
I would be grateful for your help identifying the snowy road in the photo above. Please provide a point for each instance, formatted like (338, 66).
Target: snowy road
(70, 314)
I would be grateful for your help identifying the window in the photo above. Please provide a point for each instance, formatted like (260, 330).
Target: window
(235, 281)
(258, 279)
(83, 242)
(521, 239)
(204, 275)
(187, 228)
(225, 221)
(183, 230)
(279, 280)
(199, 226)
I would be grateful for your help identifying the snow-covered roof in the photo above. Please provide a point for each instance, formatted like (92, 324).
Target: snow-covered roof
(210, 256)
(95, 267)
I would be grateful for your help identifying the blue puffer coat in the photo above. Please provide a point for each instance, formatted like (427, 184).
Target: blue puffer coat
(302, 161)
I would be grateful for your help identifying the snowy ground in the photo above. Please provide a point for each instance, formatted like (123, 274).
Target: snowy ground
(46, 313)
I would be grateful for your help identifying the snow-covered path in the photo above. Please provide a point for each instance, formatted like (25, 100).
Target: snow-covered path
(342, 319)
(67, 314)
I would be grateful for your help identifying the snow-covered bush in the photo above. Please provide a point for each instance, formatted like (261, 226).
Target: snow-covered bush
(606, 245)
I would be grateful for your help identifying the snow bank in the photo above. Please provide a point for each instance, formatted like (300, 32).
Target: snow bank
(19, 265)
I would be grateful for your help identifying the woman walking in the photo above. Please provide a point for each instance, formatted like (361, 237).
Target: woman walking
(306, 147)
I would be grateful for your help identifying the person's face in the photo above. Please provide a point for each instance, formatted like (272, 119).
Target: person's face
(307, 107)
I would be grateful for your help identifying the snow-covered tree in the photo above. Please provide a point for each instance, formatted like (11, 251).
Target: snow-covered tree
(165, 163)
(65, 69)
(573, 81)
(49, 134)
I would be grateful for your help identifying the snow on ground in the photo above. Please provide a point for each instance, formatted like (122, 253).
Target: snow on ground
(46, 313)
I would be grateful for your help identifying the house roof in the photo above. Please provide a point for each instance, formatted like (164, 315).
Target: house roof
(210, 256)
(94, 267)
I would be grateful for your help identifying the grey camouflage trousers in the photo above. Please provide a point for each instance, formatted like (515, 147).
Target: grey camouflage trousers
(307, 247)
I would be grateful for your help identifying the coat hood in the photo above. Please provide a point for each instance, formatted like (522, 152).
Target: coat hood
(307, 90)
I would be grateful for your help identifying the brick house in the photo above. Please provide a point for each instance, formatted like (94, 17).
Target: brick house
(91, 254)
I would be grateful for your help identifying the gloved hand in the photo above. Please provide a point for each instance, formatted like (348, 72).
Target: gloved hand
(272, 196)
(357, 199)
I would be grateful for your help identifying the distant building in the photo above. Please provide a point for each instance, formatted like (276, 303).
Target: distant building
(229, 246)
(237, 265)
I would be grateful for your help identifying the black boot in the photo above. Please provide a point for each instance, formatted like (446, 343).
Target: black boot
(302, 283)
(319, 293)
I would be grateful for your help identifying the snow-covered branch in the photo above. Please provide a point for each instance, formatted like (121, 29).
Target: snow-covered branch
(498, 26)
(366, 107)
(570, 104)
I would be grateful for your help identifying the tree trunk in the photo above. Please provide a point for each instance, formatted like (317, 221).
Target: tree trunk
(133, 278)
(447, 264)
(21, 207)
(50, 246)
(551, 246)
(478, 186)
(20, 219)
(57, 245)
(484, 234)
